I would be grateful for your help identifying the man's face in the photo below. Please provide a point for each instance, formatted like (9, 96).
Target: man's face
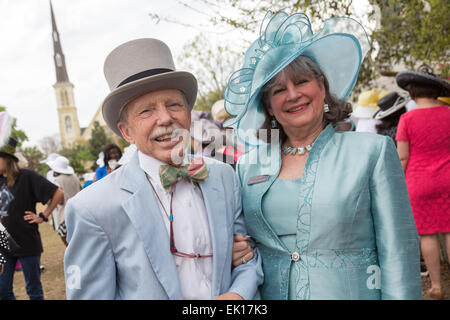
(154, 123)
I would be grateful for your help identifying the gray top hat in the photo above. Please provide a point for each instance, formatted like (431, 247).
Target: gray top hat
(138, 67)
(423, 76)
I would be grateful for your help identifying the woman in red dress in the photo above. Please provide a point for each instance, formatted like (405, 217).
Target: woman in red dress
(423, 143)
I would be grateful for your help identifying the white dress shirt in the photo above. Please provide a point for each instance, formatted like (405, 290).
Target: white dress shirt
(190, 229)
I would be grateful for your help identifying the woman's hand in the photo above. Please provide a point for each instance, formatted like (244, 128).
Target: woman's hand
(242, 251)
(32, 217)
(1, 268)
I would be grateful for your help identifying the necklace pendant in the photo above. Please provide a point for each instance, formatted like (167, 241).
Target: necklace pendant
(299, 150)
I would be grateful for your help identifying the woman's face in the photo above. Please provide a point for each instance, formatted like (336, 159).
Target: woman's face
(297, 104)
(114, 154)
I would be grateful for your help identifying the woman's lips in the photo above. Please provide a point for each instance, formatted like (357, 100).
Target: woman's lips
(298, 108)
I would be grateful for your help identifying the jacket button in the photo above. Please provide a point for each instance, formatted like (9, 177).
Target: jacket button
(295, 256)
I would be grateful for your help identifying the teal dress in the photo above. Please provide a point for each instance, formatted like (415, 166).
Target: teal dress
(344, 230)
(281, 215)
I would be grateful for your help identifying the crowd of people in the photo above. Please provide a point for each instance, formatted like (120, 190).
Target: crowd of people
(282, 191)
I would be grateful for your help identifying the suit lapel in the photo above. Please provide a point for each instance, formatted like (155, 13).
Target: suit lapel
(217, 219)
(143, 210)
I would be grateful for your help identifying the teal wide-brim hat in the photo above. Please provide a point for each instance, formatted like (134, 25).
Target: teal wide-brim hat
(338, 49)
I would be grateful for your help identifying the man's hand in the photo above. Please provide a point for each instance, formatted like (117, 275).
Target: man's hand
(229, 296)
(1, 268)
(242, 251)
(32, 217)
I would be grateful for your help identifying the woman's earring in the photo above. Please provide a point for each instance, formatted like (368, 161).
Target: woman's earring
(326, 108)
(274, 123)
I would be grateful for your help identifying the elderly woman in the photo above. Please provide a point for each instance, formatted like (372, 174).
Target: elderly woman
(328, 210)
(423, 137)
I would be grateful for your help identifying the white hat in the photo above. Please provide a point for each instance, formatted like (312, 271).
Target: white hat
(367, 103)
(50, 157)
(100, 161)
(89, 176)
(61, 165)
(218, 111)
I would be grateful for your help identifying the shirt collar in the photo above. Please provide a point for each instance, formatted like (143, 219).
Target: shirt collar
(151, 166)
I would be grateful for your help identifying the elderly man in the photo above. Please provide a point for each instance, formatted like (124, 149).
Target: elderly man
(159, 227)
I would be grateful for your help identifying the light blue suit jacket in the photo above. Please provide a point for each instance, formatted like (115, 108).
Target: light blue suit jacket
(356, 237)
(119, 245)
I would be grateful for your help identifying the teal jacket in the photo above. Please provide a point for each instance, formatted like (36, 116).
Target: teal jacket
(356, 237)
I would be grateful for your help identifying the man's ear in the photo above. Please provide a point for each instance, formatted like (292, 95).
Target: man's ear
(125, 130)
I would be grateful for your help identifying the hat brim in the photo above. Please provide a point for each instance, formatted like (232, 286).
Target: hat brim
(380, 114)
(68, 170)
(405, 78)
(2, 153)
(181, 80)
(341, 76)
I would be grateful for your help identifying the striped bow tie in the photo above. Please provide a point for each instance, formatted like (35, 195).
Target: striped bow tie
(195, 170)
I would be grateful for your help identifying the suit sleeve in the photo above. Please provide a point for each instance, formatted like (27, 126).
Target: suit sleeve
(246, 278)
(89, 266)
(395, 231)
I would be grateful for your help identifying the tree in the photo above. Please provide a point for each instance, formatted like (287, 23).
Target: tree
(79, 158)
(407, 33)
(411, 33)
(18, 134)
(98, 140)
(212, 64)
(34, 157)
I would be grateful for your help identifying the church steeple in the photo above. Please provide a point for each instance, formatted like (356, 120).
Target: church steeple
(69, 128)
(60, 63)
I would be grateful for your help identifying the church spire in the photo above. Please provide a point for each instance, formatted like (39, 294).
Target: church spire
(60, 63)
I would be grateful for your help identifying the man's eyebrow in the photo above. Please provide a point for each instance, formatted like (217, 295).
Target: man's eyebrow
(172, 100)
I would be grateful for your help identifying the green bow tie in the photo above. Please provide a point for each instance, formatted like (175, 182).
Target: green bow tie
(195, 170)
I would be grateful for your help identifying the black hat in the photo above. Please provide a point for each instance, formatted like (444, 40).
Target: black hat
(424, 76)
(390, 103)
(9, 149)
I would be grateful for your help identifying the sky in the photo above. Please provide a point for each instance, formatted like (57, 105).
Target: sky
(89, 30)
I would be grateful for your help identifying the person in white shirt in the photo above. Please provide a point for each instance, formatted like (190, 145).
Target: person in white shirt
(162, 225)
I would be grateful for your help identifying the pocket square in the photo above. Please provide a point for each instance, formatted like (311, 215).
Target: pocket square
(258, 179)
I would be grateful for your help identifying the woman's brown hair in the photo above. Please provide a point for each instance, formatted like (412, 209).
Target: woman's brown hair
(12, 171)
